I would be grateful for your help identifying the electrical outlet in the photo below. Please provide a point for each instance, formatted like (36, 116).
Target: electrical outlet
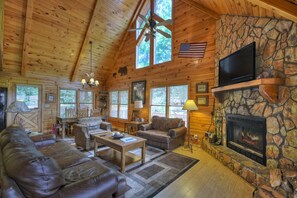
(195, 137)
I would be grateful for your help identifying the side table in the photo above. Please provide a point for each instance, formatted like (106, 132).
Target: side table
(132, 126)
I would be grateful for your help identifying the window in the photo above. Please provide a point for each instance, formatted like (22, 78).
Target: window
(143, 54)
(163, 47)
(67, 100)
(160, 47)
(119, 104)
(29, 94)
(169, 101)
(85, 100)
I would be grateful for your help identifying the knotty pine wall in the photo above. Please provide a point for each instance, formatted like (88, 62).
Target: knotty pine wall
(190, 25)
(48, 111)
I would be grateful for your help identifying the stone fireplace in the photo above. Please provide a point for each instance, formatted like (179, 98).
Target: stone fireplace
(247, 135)
(276, 47)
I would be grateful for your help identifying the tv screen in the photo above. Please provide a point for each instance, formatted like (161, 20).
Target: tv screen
(238, 66)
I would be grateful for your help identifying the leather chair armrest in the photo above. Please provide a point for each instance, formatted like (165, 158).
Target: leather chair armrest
(173, 133)
(79, 129)
(106, 126)
(145, 127)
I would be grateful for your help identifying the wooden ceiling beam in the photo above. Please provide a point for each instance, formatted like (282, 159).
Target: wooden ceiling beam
(136, 12)
(203, 9)
(1, 33)
(281, 7)
(27, 32)
(86, 40)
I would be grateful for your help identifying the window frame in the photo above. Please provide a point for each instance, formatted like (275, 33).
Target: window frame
(79, 102)
(119, 104)
(167, 105)
(30, 85)
(76, 100)
(139, 37)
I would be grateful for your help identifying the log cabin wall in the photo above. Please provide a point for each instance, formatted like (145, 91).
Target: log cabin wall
(48, 110)
(190, 26)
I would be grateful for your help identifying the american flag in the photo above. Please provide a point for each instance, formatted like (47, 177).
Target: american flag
(192, 50)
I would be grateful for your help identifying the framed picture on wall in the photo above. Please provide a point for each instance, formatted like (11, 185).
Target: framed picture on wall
(50, 98)
(202, 87)
(202, 100)
(138, 91)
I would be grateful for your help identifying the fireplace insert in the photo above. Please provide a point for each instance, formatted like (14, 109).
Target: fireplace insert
(247, 135)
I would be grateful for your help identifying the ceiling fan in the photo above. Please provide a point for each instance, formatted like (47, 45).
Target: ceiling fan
(151, 26)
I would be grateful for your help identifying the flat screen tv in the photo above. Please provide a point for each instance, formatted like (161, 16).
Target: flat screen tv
(238, 66)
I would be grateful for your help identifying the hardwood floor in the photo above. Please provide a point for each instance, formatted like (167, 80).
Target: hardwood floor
(207, 179)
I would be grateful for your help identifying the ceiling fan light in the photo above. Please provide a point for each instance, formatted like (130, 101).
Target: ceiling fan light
(96, 82)
(92, 80)
(83, 81)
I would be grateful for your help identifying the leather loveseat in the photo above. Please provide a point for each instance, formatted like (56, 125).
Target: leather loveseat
(86, 127)
(49, 168)
(164, 133)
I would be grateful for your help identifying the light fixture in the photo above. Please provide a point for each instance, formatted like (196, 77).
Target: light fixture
(17, 107)
(91, 82)
(137, 106)
(190, 105)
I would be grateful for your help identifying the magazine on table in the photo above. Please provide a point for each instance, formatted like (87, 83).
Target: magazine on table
(128, 139)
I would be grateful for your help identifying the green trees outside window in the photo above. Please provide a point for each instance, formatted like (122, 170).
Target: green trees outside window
(29, 94)
(160, 47)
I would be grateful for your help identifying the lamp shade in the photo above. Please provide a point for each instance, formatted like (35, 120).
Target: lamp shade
(138, 104)
(190, 105)
(18, 107)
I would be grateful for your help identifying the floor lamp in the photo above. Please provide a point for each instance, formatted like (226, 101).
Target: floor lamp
(190, 105)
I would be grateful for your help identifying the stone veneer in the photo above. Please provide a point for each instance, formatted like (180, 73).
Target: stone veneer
(276, 56)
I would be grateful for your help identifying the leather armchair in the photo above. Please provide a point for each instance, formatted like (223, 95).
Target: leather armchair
(87, 127)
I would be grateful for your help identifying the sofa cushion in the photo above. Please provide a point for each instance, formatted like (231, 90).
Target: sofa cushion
(64, 154)
(159, 123)
(164, 124)
(90, 121)
(154, 135)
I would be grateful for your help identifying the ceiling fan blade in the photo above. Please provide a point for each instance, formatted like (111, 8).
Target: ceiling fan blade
(144, 18)
(131, 30)
(164, 33)
(166, 22)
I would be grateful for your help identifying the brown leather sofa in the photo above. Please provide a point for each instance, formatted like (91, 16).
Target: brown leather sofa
(44, 167)
(164, 133)
(86, 127)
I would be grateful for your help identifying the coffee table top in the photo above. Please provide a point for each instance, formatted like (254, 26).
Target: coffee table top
(107, 137)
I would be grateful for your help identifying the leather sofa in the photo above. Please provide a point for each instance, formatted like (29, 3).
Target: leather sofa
(44, 167)
(86, 127)
(164, 133)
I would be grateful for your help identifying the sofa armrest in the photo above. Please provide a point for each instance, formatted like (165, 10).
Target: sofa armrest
(106, 126)
(173, 133)
(43, 140)
(91, 187)
(145, 127)
(81, 130)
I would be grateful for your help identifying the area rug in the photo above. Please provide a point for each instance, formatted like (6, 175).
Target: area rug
(158, 172)
(147, 180)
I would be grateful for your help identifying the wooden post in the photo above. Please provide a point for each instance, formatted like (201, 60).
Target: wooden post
(1, 33)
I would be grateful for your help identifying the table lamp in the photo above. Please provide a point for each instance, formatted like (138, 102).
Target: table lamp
(190, 105)
(17, 107)
(137, 106)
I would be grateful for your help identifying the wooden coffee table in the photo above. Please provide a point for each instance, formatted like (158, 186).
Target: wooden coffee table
(118, 154)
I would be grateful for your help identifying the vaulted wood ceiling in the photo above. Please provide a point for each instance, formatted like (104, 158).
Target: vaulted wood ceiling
(50, 39)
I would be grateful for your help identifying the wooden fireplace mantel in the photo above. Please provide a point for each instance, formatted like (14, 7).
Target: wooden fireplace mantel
(268, 88)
